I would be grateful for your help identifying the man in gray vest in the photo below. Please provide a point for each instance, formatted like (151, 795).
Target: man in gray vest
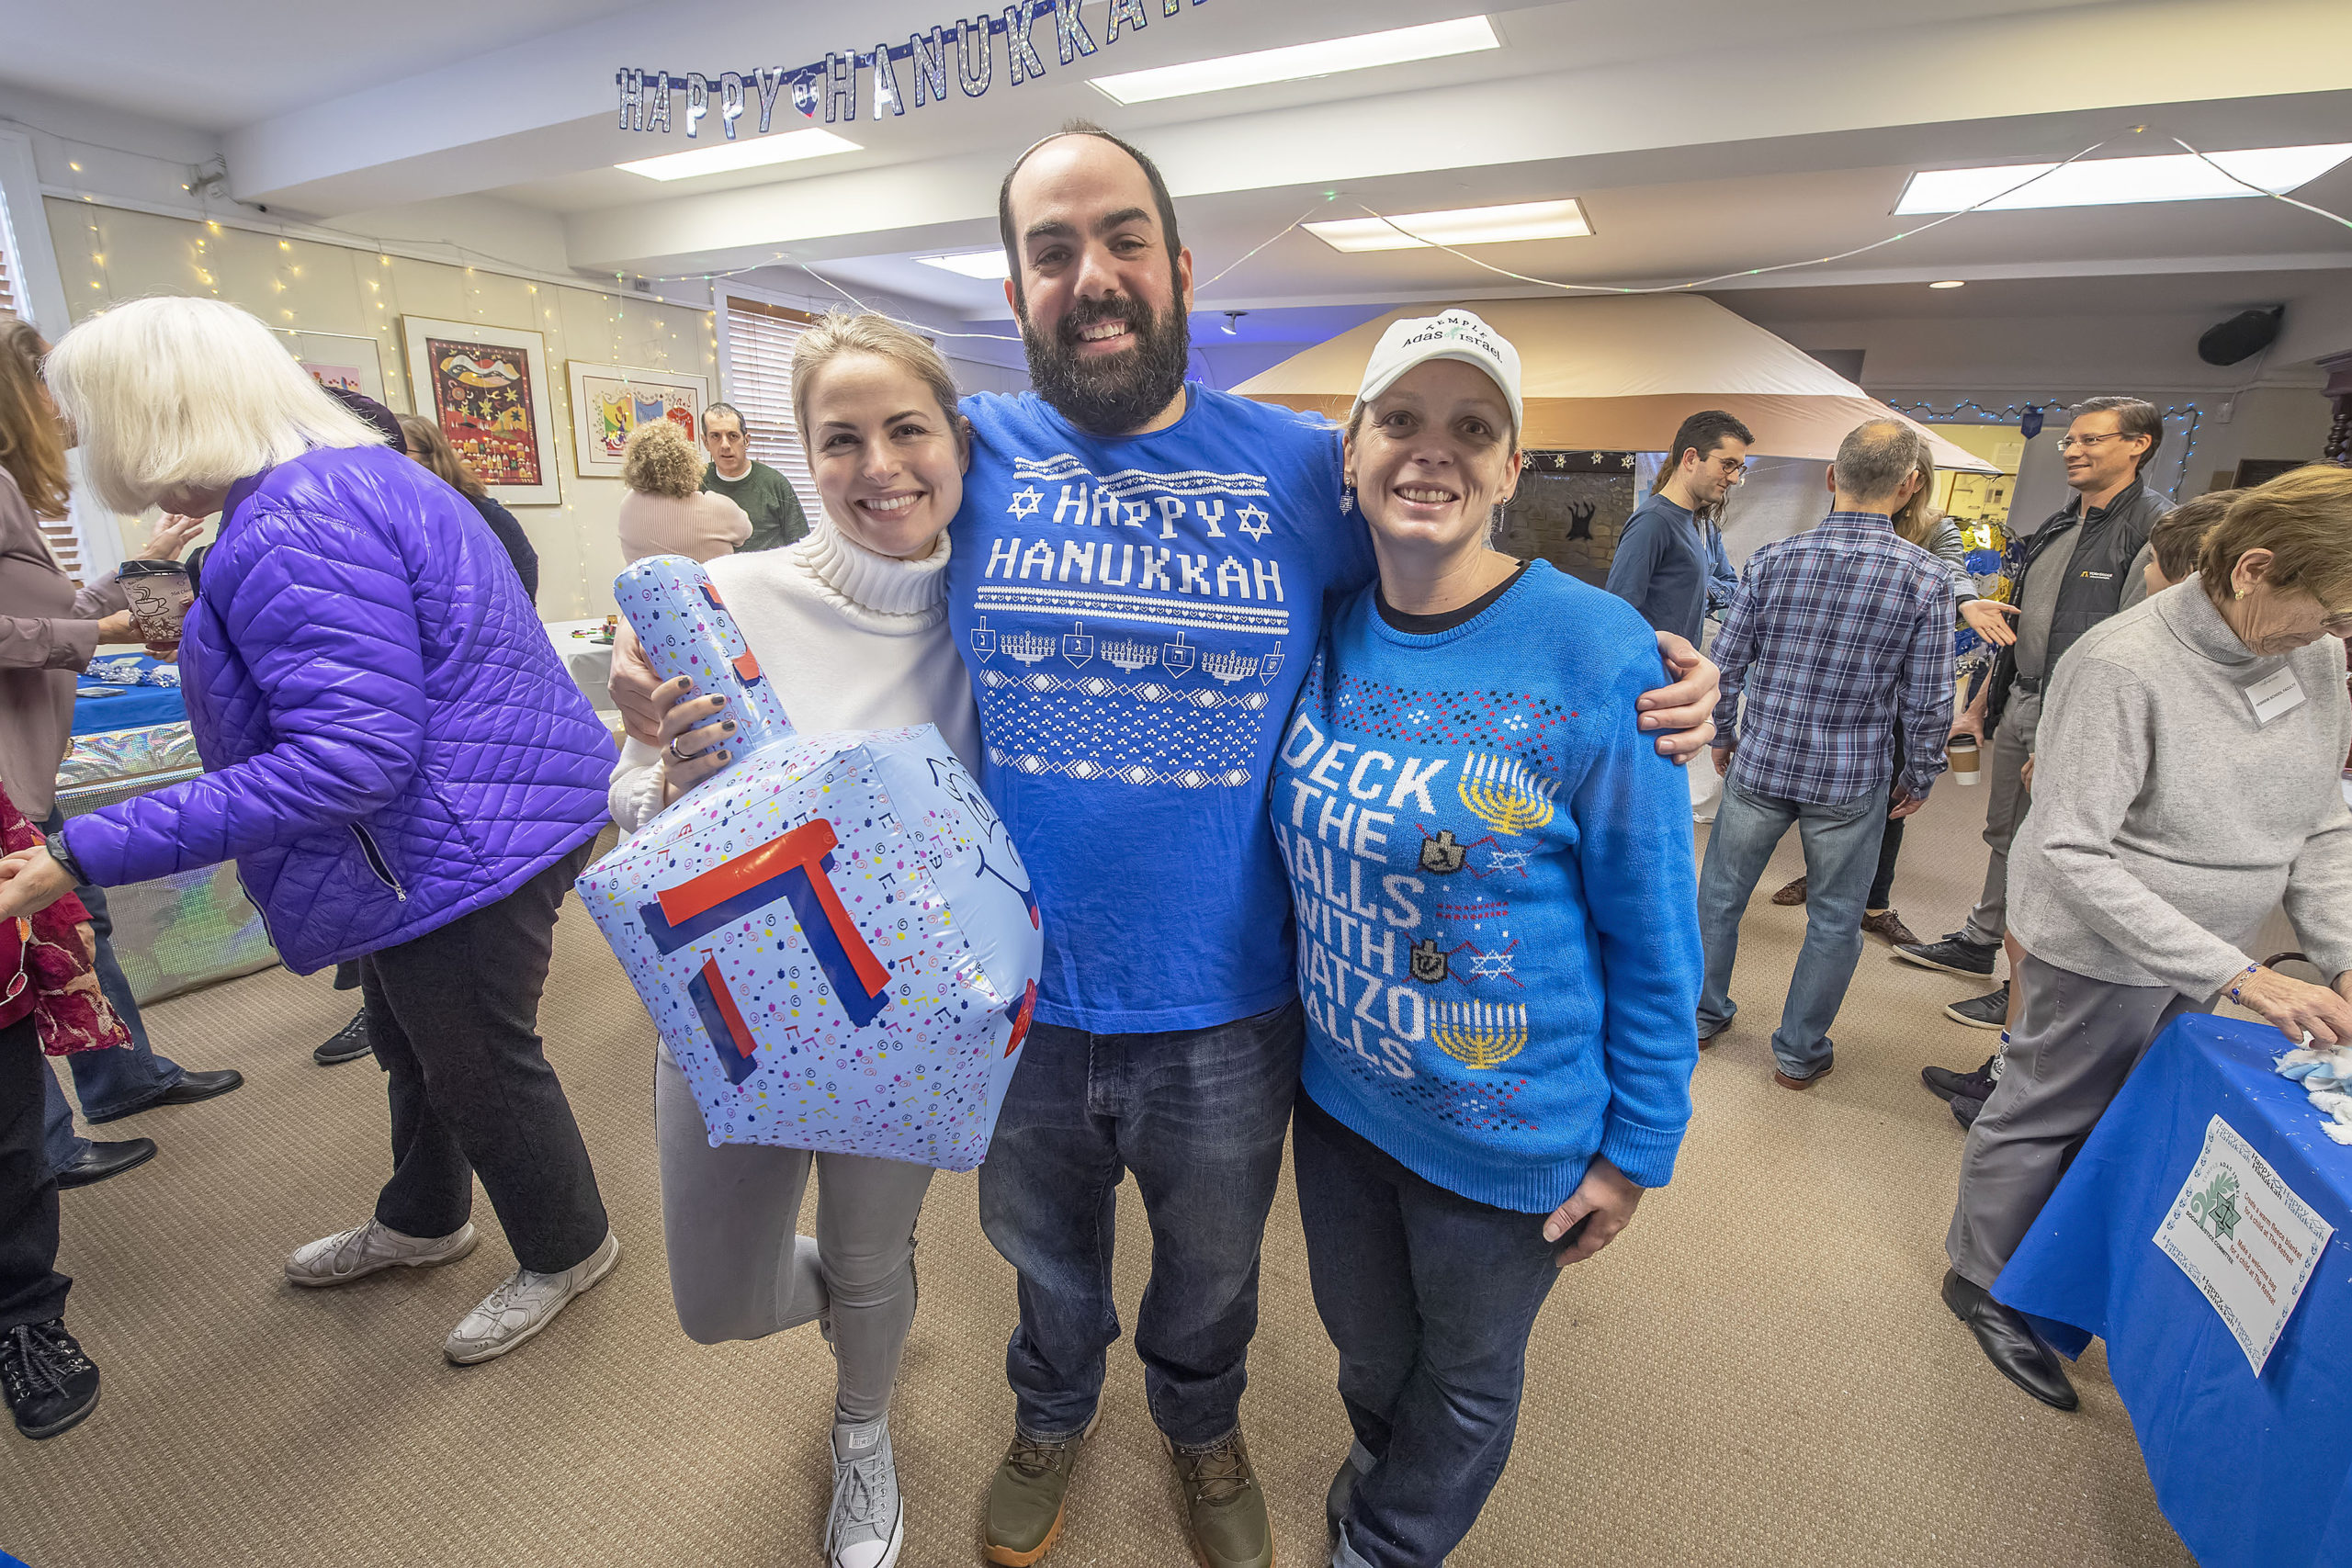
(2087, 562)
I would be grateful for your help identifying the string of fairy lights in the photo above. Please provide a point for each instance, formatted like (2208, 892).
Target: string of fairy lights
(322, 294)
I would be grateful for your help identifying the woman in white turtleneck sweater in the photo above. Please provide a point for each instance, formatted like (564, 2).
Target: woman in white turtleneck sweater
(850, 626)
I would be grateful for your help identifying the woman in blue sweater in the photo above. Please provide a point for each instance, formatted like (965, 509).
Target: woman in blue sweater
(1499, 946)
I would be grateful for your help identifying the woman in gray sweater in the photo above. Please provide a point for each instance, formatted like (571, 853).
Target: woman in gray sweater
(2187, 782)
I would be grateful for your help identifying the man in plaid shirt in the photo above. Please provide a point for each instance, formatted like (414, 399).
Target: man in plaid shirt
(1838, 636)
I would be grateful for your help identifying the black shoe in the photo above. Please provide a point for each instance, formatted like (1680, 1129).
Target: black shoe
(2009, 1342)
(1954, 955)
(191, 1088)
(49, 1383)
(101, 1160)
(1943, 1083)
(1965, 1111)
(345, 1044)
(1990, 1010)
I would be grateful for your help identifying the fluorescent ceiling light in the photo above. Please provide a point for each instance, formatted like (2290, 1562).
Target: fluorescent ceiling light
(1950, 283)
(753, 152)
(1329, 58)
(1469, 226)
(2109, 182)
(971, 263)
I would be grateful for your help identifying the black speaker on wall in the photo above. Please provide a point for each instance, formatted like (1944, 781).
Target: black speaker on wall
(2242, 336)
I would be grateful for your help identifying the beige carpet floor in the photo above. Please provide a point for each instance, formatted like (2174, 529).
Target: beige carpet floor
(1758, 1373)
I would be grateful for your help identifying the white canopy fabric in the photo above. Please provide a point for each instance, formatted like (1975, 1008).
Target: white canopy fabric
(1617, 372)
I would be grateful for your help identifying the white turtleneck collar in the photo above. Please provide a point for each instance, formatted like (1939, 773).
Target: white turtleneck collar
(882, 584)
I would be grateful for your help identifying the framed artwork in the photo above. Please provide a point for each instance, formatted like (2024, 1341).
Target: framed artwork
(487, 389)
(610, 400)
(338, 359)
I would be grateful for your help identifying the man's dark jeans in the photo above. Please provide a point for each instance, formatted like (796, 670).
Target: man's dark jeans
(1198, 1115)
(1429, 1297)
(108, 1083)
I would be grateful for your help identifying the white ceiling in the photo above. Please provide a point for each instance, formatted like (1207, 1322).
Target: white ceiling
(1705, 137)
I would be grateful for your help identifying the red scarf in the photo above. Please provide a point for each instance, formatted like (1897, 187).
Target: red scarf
(45, 963)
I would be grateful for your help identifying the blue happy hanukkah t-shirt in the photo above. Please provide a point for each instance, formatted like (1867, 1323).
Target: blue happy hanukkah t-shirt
(1138, 613)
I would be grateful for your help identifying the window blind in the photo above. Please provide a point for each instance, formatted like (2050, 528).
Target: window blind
(760, 338)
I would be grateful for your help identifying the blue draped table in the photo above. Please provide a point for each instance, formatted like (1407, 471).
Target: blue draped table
(2253, 1472)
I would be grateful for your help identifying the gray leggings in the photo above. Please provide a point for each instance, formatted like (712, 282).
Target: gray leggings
(739, 1269)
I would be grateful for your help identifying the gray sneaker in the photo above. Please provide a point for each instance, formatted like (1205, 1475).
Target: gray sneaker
(869, 1522)
(372, 1249)
(524, 1303)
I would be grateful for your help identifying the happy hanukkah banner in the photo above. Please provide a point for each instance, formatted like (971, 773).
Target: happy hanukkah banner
(835, 81)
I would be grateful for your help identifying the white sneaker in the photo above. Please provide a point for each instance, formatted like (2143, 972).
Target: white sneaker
(370, 1248)
(523, 1304)
(869, 1522)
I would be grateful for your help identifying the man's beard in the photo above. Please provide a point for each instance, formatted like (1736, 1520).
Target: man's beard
(1117, 393)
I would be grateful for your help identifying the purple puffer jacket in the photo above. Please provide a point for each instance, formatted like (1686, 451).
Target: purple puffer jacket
(391, 740)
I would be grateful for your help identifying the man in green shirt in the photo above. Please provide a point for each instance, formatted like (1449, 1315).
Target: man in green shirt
(765, 496)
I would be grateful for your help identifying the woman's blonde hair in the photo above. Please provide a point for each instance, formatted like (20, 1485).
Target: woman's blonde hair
(433, 449)
(171, 393)
(1917, 518)
(660, 461)
(840, 332)
(2304, 519)
(31, 447)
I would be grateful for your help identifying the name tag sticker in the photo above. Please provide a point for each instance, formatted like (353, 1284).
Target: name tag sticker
(2275, 694)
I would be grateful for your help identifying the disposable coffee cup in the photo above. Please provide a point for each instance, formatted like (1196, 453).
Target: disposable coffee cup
(1961, 753)
(160, 592)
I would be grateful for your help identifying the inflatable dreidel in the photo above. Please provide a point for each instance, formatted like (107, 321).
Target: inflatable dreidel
(833, 932)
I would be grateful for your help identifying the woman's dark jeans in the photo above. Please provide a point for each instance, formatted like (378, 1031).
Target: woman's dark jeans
(1429, 1297)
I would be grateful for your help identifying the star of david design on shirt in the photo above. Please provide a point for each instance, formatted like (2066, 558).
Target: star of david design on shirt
(1025, 500)
(1253, 522)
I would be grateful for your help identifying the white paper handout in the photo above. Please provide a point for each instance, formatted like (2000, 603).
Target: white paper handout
(2244, 1240)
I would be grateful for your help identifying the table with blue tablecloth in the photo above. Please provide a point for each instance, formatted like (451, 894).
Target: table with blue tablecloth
(132, 701)
(2253, 1472)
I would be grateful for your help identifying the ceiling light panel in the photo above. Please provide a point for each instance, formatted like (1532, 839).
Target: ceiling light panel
(1433, 41)
(1466, 226)
(2110, 182)
(987, 264)
(727, 157)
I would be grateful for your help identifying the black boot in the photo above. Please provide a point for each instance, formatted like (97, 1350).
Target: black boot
(49, 1383)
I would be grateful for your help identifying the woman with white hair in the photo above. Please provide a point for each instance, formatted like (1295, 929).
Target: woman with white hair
(394, 758)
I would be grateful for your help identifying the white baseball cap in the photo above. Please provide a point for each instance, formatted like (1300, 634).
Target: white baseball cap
(1454, 335)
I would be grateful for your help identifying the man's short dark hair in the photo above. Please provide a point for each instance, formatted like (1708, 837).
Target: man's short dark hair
(2138, 417)
(2180, 533)
(1703, 432)
(1161, 199)
(740, 423)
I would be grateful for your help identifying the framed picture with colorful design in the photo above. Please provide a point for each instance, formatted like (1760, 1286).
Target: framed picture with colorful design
(487, 389)
(610, 400)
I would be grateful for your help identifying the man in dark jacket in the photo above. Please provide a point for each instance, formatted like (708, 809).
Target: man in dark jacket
(2087, 562)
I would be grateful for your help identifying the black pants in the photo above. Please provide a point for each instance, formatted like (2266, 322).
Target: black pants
(31, 1289)
(454, 1018)
(1890, 844)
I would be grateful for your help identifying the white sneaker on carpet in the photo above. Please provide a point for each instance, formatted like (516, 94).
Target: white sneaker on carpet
(370, 1248)
(523, 1304)
(869, 1521)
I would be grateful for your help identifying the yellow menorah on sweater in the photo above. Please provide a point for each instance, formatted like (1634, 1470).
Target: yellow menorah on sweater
(1501, 792)
(1479, 1035)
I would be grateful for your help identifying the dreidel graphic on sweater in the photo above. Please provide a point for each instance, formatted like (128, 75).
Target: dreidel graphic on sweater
(833, 932)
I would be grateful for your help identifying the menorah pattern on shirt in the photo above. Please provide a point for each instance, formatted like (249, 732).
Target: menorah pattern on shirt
(1504, 794)
(1479, 1035)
